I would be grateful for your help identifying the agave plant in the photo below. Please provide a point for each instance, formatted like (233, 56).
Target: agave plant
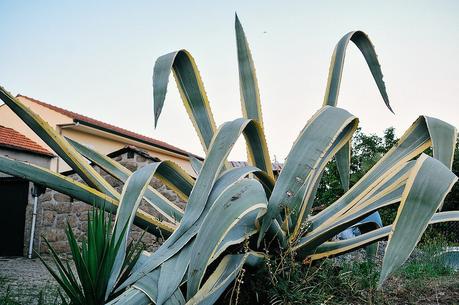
(240, 216)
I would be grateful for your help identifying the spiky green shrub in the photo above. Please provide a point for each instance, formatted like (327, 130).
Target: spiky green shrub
(241, 216)
(85, 281)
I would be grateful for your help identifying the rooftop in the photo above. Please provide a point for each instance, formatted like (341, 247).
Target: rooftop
(85, 120)
(10, 138)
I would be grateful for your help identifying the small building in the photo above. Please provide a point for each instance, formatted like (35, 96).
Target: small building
(16, 194)
(55, 210)
(100, 136)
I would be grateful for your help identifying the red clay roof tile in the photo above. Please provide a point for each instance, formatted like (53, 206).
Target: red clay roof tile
(13, 139)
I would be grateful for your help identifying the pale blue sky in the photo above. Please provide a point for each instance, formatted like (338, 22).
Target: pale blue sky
(97, 59)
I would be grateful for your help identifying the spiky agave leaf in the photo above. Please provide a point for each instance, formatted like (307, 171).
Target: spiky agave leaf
(335, 73)
(79, 191)
(170, 174)
(333, 248)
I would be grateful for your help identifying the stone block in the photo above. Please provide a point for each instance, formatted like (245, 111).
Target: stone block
(58, 197)
(48, 218)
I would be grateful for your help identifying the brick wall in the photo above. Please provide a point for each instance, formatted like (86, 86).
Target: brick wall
(55, 210)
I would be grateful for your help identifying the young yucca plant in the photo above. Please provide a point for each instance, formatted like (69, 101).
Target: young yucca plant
(85, 281)
(241, 216)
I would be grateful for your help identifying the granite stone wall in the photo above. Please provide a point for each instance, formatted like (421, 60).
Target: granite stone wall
(55, 210)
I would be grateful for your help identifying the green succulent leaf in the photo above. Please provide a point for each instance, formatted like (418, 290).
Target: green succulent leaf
(361, 40)
(220, 279)
(305, 162)
(422, 197)
(131, 197)
(169, 248)
(333, 248)
(79, 191)
(245, 197)
(414, 141)
(191, 90)
(180, 181)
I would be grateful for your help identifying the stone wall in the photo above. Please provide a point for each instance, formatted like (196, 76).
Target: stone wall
(55, 210)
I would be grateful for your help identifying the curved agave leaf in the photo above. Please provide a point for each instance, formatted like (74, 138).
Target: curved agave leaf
(131, 297)
(415, 140)
(197, 105)
(132, 194)
(172, 273)
(172, 175)
(225, 273)
(361, 40)
(182, 185)
(80, 192)
(342, 246)
(196, 164)
(425, 192)
(243, 198)
(387, 192)
(239, 200)
(58, 144)
(250, 95)
(335, 74)
(306, 160)
(191, 90)
(222, 143)
(148, 286)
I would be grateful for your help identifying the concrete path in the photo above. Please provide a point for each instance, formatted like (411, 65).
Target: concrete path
(25, 281)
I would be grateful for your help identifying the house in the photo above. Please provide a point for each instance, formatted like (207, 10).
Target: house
(100, 136)
(55, 210)
(16, 194)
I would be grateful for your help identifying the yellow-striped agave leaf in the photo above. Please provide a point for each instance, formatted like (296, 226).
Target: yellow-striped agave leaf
(305, 162)
(133, 191)
(221, 145)
(131, 296)
(191, 90)
(170, 250)
(182, 183)
(387, 192)
(57, 182)
(383, 185)
(250, 95)
(58, 144)
(426, 189)
(414, 141)
(172, 274)
(333, 248)
(172, 247)
(224, 274)
(80, 192)
(335, 73)
(245, 199)
(149, 286)
(362, 41)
